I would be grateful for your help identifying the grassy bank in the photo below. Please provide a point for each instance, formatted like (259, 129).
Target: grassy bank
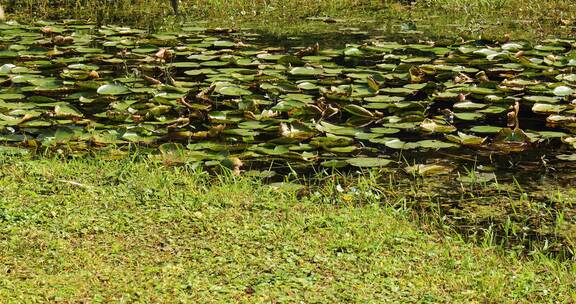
(531, 19)
(102, 231)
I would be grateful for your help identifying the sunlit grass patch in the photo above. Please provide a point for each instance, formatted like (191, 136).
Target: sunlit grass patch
(91, 230)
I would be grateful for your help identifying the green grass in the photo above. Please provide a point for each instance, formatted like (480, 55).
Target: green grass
(122, 231)
(521, 19)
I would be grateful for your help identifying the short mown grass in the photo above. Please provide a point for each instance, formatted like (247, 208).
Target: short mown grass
(135, 231)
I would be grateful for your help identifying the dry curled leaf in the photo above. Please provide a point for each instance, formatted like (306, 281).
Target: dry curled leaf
(93, 75)
(163, 54)
(47, 30)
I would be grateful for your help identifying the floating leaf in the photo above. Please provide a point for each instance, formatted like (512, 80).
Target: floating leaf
(353, 52)
(334, 163)
(563, 91)
(512, 135)
(551, 134)
(465, 139)
(547, 108)
(384, 99)
(542, 99)
(468, 105)
(486, 129)
(358, 111)
(233, 91)
(385, 130)
(430, 125)
(435, 144)
(66, 110)
(567, 157)
(366, 162)
(113, 89)
(428, 170)
(468, 116)
(305, 71)
(338, 130)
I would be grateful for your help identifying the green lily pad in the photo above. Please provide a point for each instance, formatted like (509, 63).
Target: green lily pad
(435, 144)
(428, 169)
(468, 116)
(357, 110)
(233, 91)
(66, 110)
(468, 105)
(567, 157)
(541, 99)
(384, 99)
(113, 89)
(305, 71)
(367, 162)
(486, 129)
(334, 163)
(551, 134)
(337, 130)
(430, 125)
(465, 139)
(545, 108)
(9, 96)
(563, 91)
(385, 130)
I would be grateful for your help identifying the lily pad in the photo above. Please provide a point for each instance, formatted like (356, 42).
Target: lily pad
(563, 91)
(428, 169)
(486, 129)
(233, 91)
(367, 162)
(305, 71)
(548, 108)
(432, 126)
(113, 89)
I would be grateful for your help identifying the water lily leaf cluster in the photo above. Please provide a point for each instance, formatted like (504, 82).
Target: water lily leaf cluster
(217, 95)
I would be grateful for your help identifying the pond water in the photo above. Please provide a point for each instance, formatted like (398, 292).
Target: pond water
(503, 111)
